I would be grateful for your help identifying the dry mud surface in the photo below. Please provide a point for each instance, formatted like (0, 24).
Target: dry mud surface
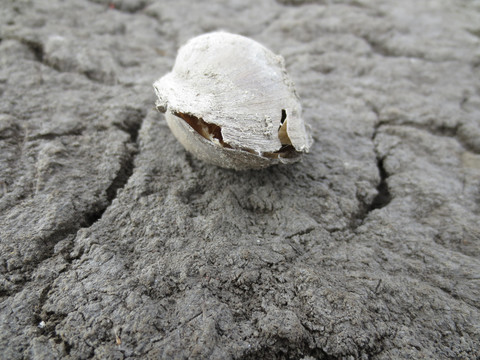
(117, 244)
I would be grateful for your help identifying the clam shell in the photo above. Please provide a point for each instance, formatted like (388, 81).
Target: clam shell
(229, 101)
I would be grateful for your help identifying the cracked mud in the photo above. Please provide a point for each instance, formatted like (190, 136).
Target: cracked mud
(117, 244)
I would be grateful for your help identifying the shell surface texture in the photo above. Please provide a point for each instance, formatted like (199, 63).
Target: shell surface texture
(230, 102)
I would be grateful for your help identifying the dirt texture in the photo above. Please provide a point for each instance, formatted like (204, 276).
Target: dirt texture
(115, 243)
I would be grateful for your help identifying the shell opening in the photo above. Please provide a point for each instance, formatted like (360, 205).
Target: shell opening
(210, 132)
(282, 130)
(213, 133)
(287, 150)
(284, 116)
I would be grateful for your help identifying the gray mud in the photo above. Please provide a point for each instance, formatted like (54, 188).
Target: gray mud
(117, 244)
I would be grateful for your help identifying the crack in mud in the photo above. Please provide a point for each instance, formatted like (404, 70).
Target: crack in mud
(51, 320)
(383, 197)
(38, 51)
(52, 135)
(123, 175)
(35, 47)
(120, 6)
(86, 219)
(442, 130)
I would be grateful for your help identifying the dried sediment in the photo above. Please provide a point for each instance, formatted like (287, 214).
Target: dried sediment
(114, 242)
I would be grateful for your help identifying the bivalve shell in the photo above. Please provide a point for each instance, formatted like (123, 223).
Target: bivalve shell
(230, 102)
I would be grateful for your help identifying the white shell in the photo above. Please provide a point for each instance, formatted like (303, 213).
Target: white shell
(229, 101)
